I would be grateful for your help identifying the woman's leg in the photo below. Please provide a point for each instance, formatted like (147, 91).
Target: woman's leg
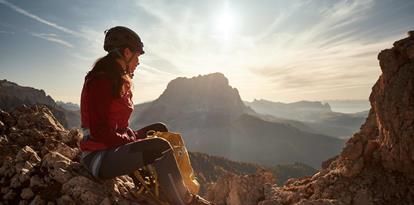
(129, 157)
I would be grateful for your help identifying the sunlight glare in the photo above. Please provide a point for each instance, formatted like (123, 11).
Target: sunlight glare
(225, 23)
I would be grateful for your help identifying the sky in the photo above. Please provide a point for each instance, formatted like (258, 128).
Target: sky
(277, 50)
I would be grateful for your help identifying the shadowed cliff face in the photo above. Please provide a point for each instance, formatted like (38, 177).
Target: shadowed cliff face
(376, 165)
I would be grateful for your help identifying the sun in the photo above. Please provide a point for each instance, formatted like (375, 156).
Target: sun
(225, 22)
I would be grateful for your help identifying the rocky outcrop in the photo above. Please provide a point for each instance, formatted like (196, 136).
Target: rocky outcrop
(39, 164)
(210, 168)
(377, 164)
(240, 189)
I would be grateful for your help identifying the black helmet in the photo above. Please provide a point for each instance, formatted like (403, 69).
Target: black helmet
(119, 36)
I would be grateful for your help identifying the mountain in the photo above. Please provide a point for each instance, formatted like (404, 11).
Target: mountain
(68, 105)
(315, 117)
(376, 165)
(203, 94)
(213, 119)
(348, 106)
(13, 95)
(301, 111)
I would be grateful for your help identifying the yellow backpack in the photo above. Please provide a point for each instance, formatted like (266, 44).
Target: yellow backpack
(183, 159)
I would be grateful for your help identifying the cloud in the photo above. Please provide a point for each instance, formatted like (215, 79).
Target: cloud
(37, 18)
(333, 53)
(6, 32)
(52, 38)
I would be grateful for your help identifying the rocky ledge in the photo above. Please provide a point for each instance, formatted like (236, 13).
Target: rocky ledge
(39, 164)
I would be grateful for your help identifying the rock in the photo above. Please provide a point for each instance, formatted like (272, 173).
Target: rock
(74, 135)
(352, 150)
(37, 201)
(2, 127)
(27, 193)
(7, 119)
(66, 200)
(9, 195)
(38, 116)
(3, 139)
(362, 198)
(53, 145)
(83, 190)
(58, 166)
(410, 34)
(235, 190)
(42, 157)
(4, 190)
(23, 202)
(410, 51)
(28, 154)
(354, 168)
(36, 181)
(106, 201)
(15, 182)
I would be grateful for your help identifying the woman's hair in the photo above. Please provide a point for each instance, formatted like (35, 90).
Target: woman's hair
(109, 66)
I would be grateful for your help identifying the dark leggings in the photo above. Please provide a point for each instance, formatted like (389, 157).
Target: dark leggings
(127, 158)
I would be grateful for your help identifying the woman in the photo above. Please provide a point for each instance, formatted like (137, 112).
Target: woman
(110, 148)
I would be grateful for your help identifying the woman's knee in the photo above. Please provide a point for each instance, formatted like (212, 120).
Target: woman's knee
(159, 126)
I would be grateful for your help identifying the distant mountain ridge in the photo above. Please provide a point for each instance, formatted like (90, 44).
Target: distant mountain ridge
(213, 119)
(348, 106)
(301, 110)
(13, 95)
(316, 117)
(68, 105)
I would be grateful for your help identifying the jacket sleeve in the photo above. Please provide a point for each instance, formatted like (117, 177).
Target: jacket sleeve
(99, 102)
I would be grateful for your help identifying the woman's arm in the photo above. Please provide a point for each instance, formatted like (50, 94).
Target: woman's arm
(99, 102)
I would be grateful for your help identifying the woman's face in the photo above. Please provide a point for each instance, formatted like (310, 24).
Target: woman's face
(134, 61)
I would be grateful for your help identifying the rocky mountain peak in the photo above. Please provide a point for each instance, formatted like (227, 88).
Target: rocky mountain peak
(204, 93)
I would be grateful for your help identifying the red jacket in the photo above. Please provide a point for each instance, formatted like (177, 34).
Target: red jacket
(104, 115)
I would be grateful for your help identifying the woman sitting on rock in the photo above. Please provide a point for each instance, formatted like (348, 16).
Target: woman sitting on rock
(110, 148)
